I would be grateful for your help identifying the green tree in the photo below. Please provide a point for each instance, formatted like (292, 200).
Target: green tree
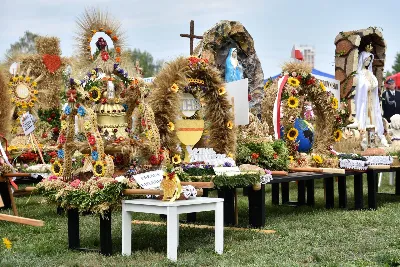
(388, 73)
(146, 62)
(396, 66)
(25, 44)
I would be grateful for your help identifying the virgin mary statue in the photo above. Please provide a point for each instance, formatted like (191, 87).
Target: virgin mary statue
(366, 98)
(233, 69)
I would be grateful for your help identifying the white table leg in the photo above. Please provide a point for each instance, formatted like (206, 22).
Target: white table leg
(126, 232)
(391, 178)
(219, 227)
(172, 233)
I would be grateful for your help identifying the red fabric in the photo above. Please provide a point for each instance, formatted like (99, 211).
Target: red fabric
(298, 55)
(52, 62)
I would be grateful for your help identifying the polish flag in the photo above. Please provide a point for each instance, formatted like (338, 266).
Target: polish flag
(297, 54)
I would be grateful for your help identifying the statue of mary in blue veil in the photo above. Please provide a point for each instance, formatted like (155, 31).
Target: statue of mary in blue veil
(233, 69)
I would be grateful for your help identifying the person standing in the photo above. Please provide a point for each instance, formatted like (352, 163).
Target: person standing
(390, 100)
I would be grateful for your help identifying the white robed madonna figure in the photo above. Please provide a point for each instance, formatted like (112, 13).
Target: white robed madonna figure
(233, 68)
(366, 98)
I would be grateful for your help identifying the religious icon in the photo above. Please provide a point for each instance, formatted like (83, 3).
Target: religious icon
(101, 44)
(233, 68)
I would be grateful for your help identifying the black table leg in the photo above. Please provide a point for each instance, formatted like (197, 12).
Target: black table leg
(73, 229)
(342, 192)
(228, 194)
(397, 183)
(105, 234)
(245, 191)
(275, 194)
(310, 192)
(301, 192)
(205, 192)
(256, 206)
(285, 192)
(358, 192)
(329, 189)
(372, 189)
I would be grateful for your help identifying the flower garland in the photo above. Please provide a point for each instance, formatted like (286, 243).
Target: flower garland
(186, 75)
(302, 86)
(23, 92)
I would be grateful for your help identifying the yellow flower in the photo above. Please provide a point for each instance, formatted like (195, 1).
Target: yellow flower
(229, 125)
(12, 100)
(15, 79)
(292, 134)
(24, 104)
(31, 104)
(99, 169)
(335, 103)
(94, 94)
(174, 88)
(337, 135)
(176, 159)
(7, 243)
(291, 158)
(117, 100)
(293, 102)
(21, 78)
(293, 82)
(149, 134)
(28, 79)
(63, 124)
(322, 86)
(171, 126)
(56, 168)
(34, 84)
(318, 159)
(20, 113)
(87, 125)
(94, 31)
(230, 155)
(221, 90)
(10, 84)
(35, 92)
(34, 98)
(266, 85)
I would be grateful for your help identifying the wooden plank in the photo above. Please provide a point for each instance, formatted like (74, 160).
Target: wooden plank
(379, 167)
(22, 220)
(17, 174)
(199, 184)
(334, 170)
(279, 173)
(306, 169)
(1, 202)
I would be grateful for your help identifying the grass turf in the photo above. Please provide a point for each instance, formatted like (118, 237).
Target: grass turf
(304, 236)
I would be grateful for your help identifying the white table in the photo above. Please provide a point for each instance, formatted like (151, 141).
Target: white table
(172, 210)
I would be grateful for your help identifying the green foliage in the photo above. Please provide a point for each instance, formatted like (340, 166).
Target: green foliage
(146, 62)
(273, 156)
(236, 181)
(25, 44)
(51, 116)
(396, 66)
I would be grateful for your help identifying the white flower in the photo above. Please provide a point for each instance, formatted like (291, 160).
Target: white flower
(121, 179)
(294, 74)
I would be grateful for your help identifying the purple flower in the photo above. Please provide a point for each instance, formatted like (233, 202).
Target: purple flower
(227, 164)
(116, 66)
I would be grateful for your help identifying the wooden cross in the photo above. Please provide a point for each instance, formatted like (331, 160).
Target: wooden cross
(191, 36)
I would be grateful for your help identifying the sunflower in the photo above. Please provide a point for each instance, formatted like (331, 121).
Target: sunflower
(229, 125)
(35, 92)
(171, 126)
(63, 124)
(292, 134)
(94, 94)
(293, 82)
(99, 169)
(291, 158)
(221, 90)
(174, 88)
(31, 104)
(34, 84)
(176, 159)
(337, 135)
(335, 103)
(56, 168)
(230, 155)
(322, 86)
(28, 79)
(293, 102)
(318, 159)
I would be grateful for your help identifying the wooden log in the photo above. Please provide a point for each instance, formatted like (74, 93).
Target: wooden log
(334, 170)
(22, 220)
(199, 184)
(29, 188)
(17, 174)
(306, 169)
(279, 173)
(379, 167)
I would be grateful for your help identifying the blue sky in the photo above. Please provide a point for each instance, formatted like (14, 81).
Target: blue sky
(155, 25)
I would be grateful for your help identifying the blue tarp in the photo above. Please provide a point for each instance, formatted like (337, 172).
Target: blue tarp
(314, 71)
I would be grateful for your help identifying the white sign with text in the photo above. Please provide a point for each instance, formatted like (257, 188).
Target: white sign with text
(27, 123)
(149, 180)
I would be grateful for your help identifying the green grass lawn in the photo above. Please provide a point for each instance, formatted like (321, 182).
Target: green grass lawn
(304, 237)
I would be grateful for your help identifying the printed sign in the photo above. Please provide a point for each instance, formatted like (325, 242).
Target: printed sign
(27, 123)
(189, 105)
(149, 79)
(228, 171)
(149, 180)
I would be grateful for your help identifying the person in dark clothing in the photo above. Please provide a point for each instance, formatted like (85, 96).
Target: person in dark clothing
(390, 100)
